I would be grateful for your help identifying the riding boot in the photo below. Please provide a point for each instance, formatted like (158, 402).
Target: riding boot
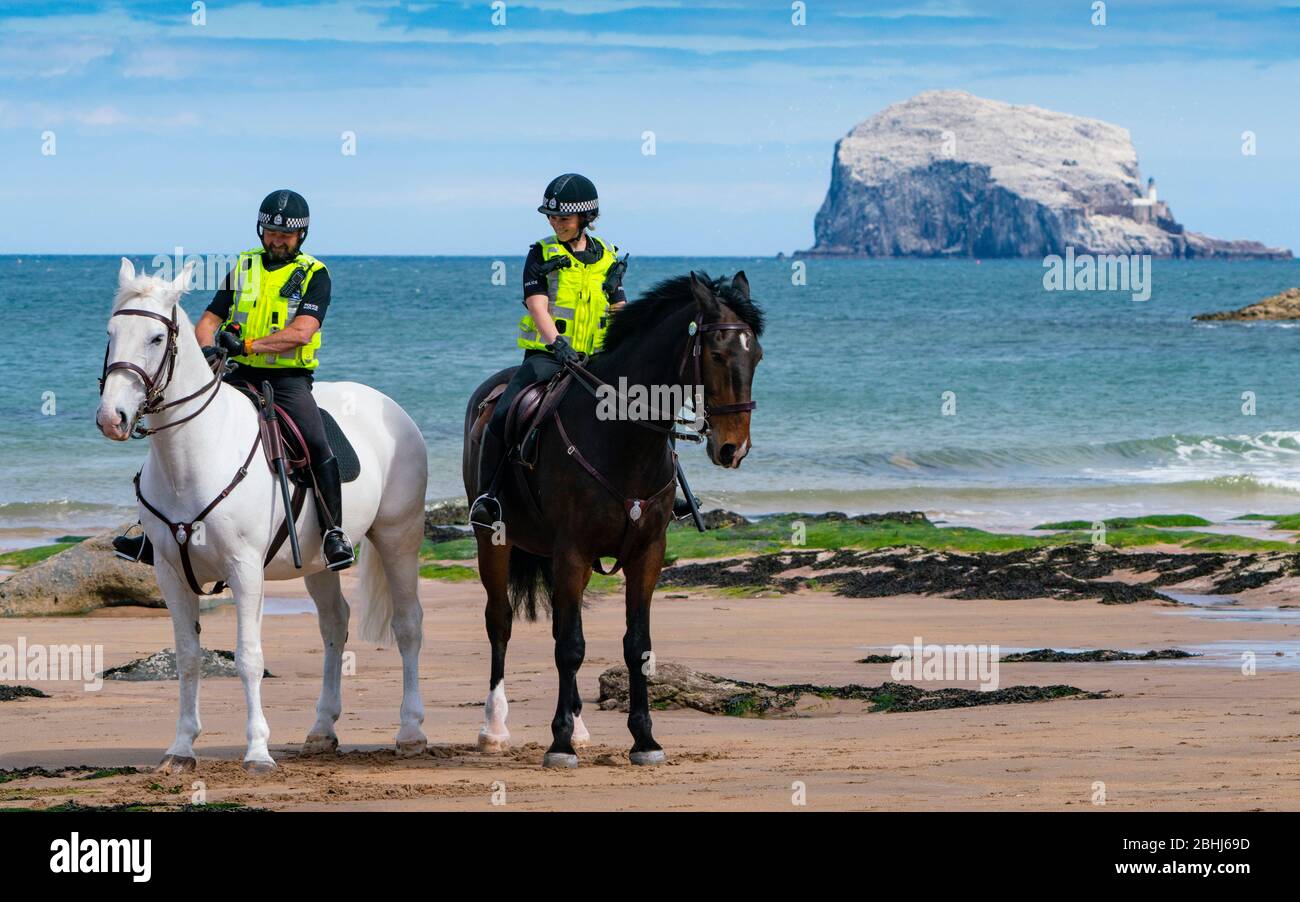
(486, 509)
(137, 549)
(336, 547)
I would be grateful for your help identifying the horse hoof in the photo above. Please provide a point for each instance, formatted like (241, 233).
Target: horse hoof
(176, 764)
(412, 748)
(656, 756)
(559, 759)
(493, 744)
(259, 768)
(317, 744)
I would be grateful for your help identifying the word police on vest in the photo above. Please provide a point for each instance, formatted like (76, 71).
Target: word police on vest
(103, 856)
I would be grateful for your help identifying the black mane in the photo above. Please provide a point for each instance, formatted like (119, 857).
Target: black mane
(666, 298)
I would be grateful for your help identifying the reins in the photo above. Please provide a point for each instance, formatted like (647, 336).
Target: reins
(183, 531)
(153, 388)
(633, 507)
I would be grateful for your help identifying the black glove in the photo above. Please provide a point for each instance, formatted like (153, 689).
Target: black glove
(210, 352)
(229, 342)
(563, 351)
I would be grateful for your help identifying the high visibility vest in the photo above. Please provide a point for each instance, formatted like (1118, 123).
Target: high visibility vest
(260, 307)
(577, 299)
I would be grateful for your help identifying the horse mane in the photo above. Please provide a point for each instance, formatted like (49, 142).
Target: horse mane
(667, 297)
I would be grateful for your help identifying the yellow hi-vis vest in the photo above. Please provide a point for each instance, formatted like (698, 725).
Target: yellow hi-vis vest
(577, 298)
(260, 309)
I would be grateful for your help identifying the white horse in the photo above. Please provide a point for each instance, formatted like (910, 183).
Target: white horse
(201, 432)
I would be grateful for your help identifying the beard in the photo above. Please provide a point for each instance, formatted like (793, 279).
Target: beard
(278, 253)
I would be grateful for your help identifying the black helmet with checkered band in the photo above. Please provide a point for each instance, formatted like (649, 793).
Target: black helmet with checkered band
(569, 194)
(284, 211)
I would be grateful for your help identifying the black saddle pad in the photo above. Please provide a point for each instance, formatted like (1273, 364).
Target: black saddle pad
(349, 463)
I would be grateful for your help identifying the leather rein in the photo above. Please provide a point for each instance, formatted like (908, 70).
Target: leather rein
(155, 385)
(590, 381)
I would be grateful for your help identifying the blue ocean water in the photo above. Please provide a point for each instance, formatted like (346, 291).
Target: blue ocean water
(1066, 403)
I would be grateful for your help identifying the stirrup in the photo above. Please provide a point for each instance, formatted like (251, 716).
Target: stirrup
(125, 546)
(341, 564)
(483, 502)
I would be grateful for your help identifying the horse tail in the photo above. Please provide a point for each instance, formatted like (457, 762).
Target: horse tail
(376, 597)
(530, 575)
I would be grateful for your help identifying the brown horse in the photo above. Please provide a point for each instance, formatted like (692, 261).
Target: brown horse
(602, 487)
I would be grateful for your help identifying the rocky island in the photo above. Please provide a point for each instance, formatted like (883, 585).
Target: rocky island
(949, 174)
(1285, 305)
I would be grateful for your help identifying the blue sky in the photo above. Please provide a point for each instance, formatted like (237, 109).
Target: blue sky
(169, 133)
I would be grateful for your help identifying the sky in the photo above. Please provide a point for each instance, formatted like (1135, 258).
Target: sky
(170, 120)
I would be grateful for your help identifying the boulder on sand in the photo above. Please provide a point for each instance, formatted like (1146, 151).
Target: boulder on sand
(79, 580)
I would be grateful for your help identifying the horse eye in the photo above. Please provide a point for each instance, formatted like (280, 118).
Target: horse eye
(157, 339)
(718, 357)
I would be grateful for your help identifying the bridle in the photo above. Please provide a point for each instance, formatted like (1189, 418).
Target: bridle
(700, 426)
(696, 330)
(156, 385)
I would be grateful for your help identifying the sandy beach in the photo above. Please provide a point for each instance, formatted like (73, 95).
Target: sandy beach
(1172, 735)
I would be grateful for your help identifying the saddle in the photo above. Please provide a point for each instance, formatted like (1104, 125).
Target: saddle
(293, 448)
(529, 410)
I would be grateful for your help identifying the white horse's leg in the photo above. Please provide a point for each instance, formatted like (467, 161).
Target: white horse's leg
(184, 607)
(247, 584)
(332, 613)
(398, 547)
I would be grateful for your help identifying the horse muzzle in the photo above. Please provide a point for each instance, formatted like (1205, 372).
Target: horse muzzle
(114, 422)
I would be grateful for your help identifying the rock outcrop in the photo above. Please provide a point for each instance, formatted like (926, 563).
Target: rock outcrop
(949, 174)
(81, 579)
(673, 686)
(1280, 306)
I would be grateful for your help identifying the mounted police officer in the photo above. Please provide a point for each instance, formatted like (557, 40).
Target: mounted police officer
(267, 317)
(568, 294)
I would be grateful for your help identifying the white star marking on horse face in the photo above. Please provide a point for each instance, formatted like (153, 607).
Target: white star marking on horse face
(744, 340)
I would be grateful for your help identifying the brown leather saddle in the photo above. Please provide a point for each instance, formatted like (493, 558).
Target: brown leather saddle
(287, 441)
(529, 410)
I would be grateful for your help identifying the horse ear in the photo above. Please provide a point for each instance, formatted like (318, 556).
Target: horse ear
(126, 273)
(741, 284)
(182, 282)
(703, 293)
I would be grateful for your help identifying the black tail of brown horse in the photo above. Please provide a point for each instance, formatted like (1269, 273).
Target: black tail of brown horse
(530, 581)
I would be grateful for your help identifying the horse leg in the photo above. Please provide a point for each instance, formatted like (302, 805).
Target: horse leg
(493, 572)
(571, 576)
(642, 573)
(332, 614)
(184, 607)
(246, 581)
(398, 547)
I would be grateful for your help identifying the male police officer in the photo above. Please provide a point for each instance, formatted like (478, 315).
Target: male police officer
(267, 317)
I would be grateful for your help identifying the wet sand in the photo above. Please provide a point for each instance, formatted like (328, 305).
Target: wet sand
(1172, 736)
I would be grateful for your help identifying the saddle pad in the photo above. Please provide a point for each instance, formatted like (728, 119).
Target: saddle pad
(349, 463)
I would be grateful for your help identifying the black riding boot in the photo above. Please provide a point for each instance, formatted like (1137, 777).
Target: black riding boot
(486, 510)
(134, 548)
(336, 547)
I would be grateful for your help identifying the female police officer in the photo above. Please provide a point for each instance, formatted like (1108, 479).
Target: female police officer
(565, 293)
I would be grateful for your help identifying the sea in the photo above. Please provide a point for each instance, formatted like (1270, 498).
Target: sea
(962, 388)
